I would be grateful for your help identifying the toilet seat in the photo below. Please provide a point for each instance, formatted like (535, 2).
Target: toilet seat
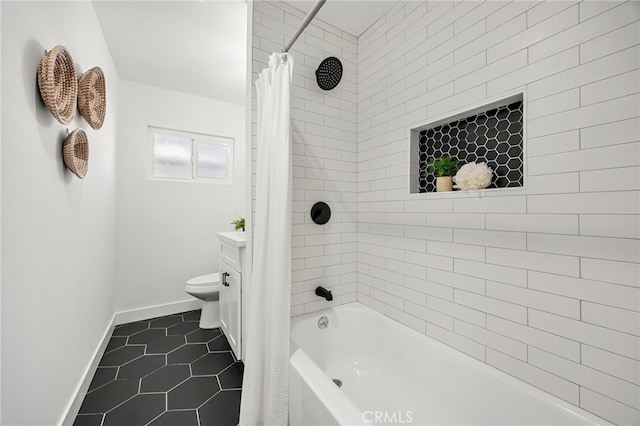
(208, 279)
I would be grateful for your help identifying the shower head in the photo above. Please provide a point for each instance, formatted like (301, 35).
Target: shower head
(329, 73)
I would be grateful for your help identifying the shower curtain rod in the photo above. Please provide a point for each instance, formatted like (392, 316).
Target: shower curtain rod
(312, 13)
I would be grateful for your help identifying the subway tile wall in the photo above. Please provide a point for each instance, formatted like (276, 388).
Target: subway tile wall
(541, 282)
(325, 152)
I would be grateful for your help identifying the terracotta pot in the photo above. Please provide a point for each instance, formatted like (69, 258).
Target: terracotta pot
(444, 183)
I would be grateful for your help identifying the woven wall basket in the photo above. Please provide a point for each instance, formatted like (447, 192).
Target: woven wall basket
(92, 97)
(58, 83)
(75, 152)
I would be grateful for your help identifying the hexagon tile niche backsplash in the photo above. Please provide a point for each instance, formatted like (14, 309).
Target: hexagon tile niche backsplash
(493, 137)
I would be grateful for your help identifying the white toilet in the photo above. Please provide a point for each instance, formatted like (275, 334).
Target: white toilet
(207, 289)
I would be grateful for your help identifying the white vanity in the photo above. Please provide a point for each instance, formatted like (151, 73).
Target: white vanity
(231, 253)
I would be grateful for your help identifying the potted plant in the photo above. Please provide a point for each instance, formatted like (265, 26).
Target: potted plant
(444, 168)
(239, 224)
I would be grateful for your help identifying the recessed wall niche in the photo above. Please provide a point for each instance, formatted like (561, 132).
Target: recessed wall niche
(491, 133)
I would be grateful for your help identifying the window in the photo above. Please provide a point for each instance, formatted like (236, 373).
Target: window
(190, 157)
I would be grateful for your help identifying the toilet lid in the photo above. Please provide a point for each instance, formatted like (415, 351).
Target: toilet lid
(208, 279)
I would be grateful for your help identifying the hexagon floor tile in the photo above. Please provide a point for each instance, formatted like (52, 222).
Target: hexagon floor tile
(164, 371)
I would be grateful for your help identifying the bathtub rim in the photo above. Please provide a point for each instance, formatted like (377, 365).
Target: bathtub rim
(451, 352)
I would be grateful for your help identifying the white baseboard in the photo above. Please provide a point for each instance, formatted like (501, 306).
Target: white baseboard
(157, 311)
(81, 390)
(124, 317)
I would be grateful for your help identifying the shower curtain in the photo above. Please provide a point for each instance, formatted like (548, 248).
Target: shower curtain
(265, 385)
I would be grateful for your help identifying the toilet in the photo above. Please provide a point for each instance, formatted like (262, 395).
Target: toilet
(207, 288)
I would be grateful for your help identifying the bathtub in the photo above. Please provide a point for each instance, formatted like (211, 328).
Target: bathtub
(390, 374)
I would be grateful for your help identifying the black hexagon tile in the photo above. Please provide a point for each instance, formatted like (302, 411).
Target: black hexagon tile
(187, 353)
(493, 137)
(211, 363)
(139, 410)
(165, 378)
(221, 410)
(192, 393)
(176, 418)
(164, 371)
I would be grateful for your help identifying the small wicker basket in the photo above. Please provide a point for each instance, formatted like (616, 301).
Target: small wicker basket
(92, 97)
(76, 152)
(58, 83)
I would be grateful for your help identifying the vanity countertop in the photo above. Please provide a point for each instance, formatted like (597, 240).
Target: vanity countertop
(234, 238)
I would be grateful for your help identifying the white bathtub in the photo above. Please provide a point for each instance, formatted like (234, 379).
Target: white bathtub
(392, 374)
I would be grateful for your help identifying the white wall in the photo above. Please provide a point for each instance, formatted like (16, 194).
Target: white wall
(542, 283)
(324, 153)
(166, 230)
(58, 241)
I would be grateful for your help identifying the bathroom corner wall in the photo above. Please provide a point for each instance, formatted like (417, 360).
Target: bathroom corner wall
(324, 152)
(167, 230)
(543, 282)
(58, 232)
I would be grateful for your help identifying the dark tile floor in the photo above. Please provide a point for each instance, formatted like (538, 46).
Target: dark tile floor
(164, 372)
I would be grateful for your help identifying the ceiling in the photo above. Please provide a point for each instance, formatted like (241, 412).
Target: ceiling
(199, 46)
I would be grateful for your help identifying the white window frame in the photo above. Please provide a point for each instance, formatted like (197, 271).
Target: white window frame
(195, 139)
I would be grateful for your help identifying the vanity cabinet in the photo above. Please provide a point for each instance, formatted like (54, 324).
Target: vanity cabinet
(231, 252)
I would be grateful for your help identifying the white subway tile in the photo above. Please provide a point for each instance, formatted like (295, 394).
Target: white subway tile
(585, 31)
(429, 233)
(545, 262)
(559, 305)
(614, 318)
(476, 15)
(623, 249)
(488, 338)
(562, 183)
(545, 10)
(554, 104)
(491, 272)
(613, 272)
(548, 382)
(614, 87)
(483, 40)
(604, 338)
(535, 33)
(620, 390)
(621, 226)
(621, 202)
(429, 315)
(607, 408)
(462, 251)
(549, 223)
(572, 76)
(508, 12)
(457, 101)
(456, 310)
(618, 132)
(490, 305)
(459, 281)
(616, 179)
(457, 220)
(514, 240)
(612, 42)
(430, 288)
(594, 291)
(561, 346)
(459, 70)
(429, 206)
(513, 204)
(456, 341)
(534, 71)
(590, 115)
(416, 271)
(493, 70)
(406, 319)
(454, 43)
(610, 363)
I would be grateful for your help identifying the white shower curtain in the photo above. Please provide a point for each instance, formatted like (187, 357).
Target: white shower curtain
(265, 394)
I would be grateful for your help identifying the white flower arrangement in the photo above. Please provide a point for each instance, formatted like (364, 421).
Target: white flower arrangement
(473, 176)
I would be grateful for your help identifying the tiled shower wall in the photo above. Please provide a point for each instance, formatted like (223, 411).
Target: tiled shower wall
(324, 152)
(541, 282)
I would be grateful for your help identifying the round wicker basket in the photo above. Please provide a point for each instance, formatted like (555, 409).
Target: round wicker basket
(58, 83)
(92, 97)
(76, 152)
